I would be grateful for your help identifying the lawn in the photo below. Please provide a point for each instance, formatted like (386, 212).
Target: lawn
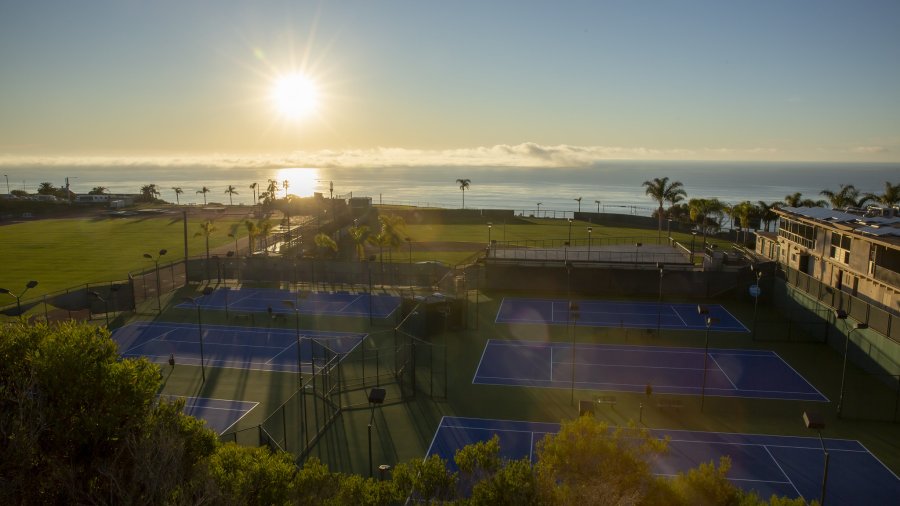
(62, 253)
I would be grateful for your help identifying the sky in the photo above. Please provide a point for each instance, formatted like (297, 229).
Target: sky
(531, 83)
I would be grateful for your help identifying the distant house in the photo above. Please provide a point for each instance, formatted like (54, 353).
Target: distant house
(116, 200)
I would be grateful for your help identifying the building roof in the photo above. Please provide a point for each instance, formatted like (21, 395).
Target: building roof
(877, 224)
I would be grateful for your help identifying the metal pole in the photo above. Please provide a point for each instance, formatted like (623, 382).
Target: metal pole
(200, 328)
(705, 359)
(659, 304)
(840, 405)
(825, 471)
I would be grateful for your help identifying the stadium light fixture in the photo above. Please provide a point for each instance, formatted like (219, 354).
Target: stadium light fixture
(840, 314)
(815, 422)
(28, 286)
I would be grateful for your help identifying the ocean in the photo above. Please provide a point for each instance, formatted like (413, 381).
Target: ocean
(616, 185)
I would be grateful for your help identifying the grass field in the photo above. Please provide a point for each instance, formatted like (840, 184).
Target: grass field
(63, 253)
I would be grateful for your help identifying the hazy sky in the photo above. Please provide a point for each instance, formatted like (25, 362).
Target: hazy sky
(485, 82)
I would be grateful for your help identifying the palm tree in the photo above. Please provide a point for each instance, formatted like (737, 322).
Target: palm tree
(360, 235)
(231, 191)
(325, 243)
(46, 189)
(598, 206)
(178, 191)
(252, 232)
(149, 192)
(253, 187)
(98, 190)
(706, 213)
(579, 203)
(464, 185)
(890, 197)
(797, 200)
(660, 190)
(264, 228)
(392, 228)
(847, 196)
(766, 213)
(204, 191)
(746, 212)
(285, 184)
(206, 229)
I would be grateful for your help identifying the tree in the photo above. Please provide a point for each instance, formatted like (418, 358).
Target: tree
(252, 232)
(578, 199)
(392, 231)
(231, 191)
(589, 462)
(766, 213)
(264, 228)
(204, 191)
(178, 191)
(149, 192)
(206, 229)
(463, 186)
(98, 190)
(253, 187)
(847, 196)
(80, 423)
(660, 190)
(46, 189)
(890, 197)
(360, 235)
(796, 200)
(706, 214)
(285, 184)
(325, 244)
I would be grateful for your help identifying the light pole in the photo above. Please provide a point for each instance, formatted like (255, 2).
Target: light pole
(598, 206)
(669, 228)
(296, 308)
(661, 268)
(704, 311)
(578, 199)
(693, 238)
(840, 314)
(105, 302)
(195, 301)
(539, 209)
(755, 293)
(637, 247)
(489, 226)
(28, 286)
(158, 286)
(589, 230)
(813, 421)
(570, 232)
(7, 184)
(573, 316)
(376, 397)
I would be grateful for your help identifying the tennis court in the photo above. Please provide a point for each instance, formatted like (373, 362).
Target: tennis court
(760, 374)
(263, 349)
(783, 465)
(599, 313)
(259, 300)
(219, 414)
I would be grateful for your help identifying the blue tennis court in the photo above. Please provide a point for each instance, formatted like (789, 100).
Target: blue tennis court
(599, 313)
(760, 374)
(219, 414)
(783, 465)
(262, 349)
(259, 300)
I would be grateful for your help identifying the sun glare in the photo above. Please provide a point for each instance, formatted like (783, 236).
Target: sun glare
(301, 181)
(295, 96)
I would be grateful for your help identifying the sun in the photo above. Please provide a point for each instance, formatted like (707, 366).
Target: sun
(295, 96)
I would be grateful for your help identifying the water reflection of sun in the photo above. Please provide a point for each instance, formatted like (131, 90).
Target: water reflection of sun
(301, 181)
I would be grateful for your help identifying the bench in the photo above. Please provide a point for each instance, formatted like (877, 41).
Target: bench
(673, 404)
(607, 399)
(244, 316)
(279, 316)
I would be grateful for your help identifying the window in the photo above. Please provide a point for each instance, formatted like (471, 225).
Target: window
(840, 247)
(796, 232)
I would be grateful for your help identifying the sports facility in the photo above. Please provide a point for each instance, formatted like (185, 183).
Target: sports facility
(760, 374)
(262, 300)
(219, 414)
(783, 465)
(257, 348)
(599, 313)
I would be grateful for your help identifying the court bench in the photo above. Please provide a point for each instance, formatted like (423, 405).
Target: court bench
(244, 317)
(670, 404)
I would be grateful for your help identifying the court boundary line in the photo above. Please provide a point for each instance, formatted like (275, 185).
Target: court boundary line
(769, 453)
(740, 327)
(719, 367)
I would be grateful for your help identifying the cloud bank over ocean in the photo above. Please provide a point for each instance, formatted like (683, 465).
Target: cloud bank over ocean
(527, 154)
